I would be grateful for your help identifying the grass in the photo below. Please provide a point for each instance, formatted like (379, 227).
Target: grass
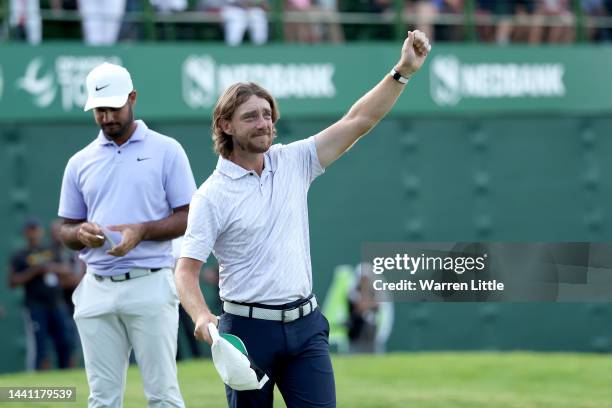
(424, 380)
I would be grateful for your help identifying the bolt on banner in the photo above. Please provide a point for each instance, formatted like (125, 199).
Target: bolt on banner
(497, 272)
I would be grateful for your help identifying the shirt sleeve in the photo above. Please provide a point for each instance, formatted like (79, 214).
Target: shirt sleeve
(305, 158)
(72, 204)
(179, 183)
(203, 228)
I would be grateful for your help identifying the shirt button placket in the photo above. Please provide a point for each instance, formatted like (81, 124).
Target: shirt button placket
(118, 157)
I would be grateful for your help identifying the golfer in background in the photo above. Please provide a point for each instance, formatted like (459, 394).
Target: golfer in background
(124, 197)
(252, 214)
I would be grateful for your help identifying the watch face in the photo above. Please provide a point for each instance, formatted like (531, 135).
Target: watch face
(396, 75)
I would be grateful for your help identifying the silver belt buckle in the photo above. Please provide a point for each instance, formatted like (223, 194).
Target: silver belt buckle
(123, 277)
(284, 313)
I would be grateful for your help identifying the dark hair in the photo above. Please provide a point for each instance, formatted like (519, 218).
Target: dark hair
(228, 102)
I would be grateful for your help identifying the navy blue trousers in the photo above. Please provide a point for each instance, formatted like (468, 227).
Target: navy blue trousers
(294, 355)
(52, 323)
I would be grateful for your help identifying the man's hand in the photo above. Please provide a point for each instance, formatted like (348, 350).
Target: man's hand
(414, 52)
(59, 269)
(90, 234)
(131, 235)
(201, 326)
(38, 270)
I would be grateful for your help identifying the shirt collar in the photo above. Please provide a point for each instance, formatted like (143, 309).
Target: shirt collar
(138, 135)
(234, 171)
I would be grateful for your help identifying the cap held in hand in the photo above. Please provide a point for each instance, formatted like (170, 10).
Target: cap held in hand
(233, 363)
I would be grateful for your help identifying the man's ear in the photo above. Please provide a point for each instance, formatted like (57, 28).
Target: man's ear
(226, 126)
(132, 97)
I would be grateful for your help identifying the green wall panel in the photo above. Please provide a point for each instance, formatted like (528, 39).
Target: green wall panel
(412, 179)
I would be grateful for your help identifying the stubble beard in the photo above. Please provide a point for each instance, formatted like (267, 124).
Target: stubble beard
(122, 129)
(252, 147)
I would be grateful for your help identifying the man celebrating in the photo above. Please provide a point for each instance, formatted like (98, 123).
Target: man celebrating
(252, 214)
(131, 186)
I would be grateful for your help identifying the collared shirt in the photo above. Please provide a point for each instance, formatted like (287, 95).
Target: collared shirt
(141, 180)
(257, 227)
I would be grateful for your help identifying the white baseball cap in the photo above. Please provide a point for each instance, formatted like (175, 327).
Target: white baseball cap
(108, 86)
(232, 362)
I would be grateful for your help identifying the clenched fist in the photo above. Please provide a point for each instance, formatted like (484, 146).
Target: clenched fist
(414, 52)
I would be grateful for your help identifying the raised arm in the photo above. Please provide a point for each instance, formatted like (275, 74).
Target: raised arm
(373, 106)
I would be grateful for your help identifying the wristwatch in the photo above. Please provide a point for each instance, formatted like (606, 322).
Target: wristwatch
(398, 77)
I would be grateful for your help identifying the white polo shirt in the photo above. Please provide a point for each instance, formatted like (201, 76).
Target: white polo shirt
(257, 227)
(139, 181)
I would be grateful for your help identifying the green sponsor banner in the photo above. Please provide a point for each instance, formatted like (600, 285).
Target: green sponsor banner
(183, 81)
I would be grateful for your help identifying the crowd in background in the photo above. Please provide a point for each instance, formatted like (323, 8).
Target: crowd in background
(309, 21)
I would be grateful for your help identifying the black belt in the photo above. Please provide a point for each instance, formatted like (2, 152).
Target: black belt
(133, 274)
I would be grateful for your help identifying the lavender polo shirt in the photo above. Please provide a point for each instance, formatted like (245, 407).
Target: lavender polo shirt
(141, 180)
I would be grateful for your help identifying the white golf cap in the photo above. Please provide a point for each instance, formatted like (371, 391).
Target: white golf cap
(108, 86)
(232, 362)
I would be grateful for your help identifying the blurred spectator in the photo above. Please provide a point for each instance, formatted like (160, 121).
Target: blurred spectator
(329, 28)
(363, 307)
(75, 270)
(238, 15)
(554, 22)
(523, 11)
(61, 25)
(36, 268)
(368, 32)
(302, 31)
(69, 259)
(425, 12)
(132, 30)
(449, 32)
(595, 8)
(169, 6)
(210, 32)
(500, 31)
(101, 20)
(607, 31)
(167, 31)
(370, 314)
(57, 6)
(25, 20)
(336, 308)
